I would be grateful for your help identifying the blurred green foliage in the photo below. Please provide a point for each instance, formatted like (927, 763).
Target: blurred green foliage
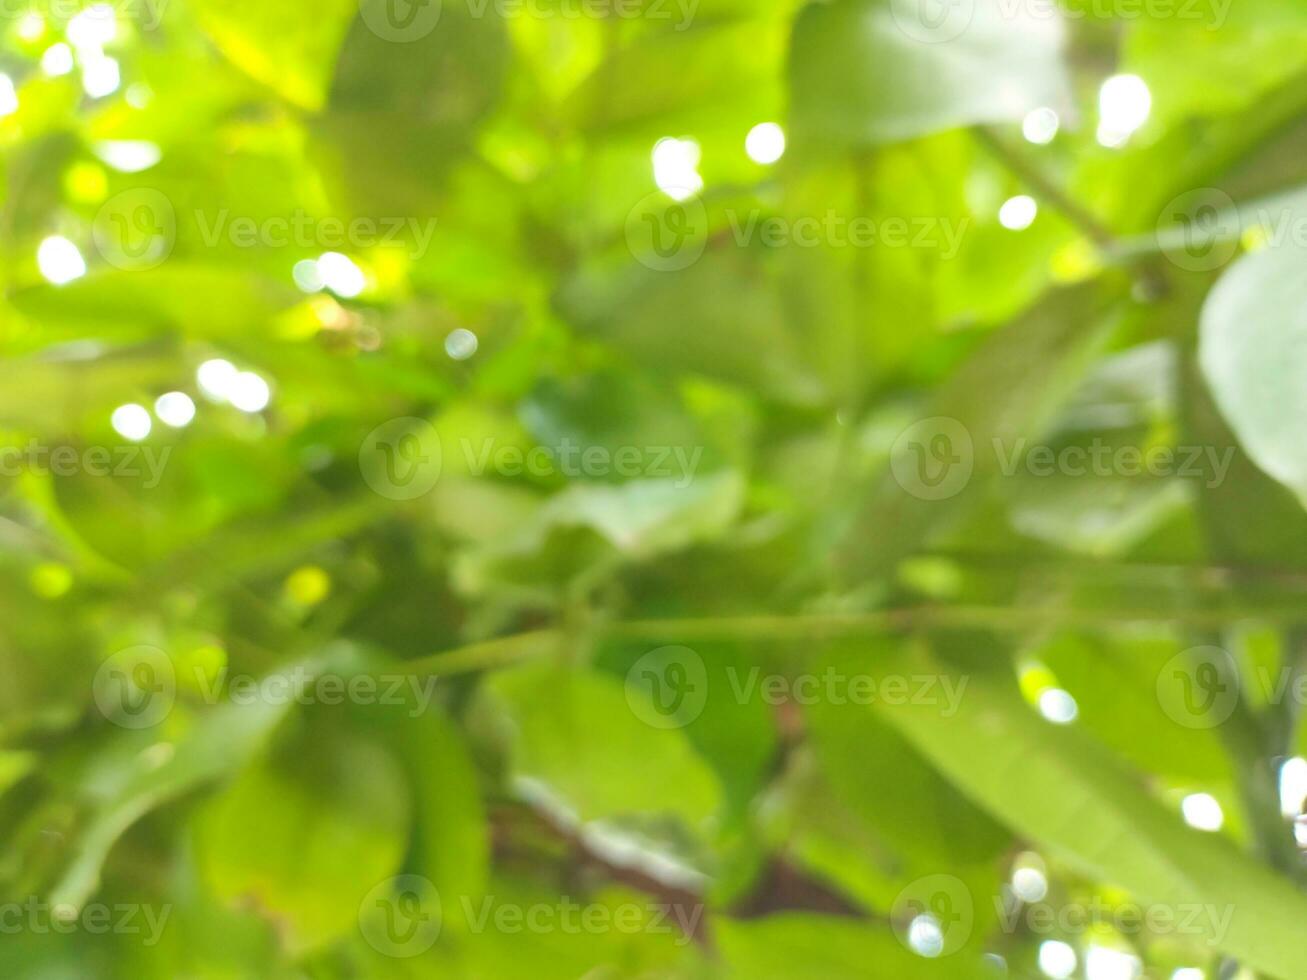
(651, 488)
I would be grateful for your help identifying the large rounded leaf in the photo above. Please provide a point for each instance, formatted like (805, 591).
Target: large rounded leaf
(1254, 356)
(874, 71)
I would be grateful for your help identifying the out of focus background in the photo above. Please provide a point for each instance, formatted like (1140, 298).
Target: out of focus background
(652, 489)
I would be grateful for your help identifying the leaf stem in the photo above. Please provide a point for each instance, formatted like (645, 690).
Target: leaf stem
(520, 648)
(1151, 277)
(1045, 188)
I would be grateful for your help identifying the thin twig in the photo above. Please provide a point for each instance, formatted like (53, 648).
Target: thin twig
(1045, 188)
(1151, 278)
(512, 650)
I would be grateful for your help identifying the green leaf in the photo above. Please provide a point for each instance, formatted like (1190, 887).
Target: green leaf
(1058, 787)
(608, 409)
(451, 840)
(217, 745)
(864, 72)
(721, 317)
(289, 49)
(798, 947)
(993, 399)
(14, 766)
(1253, 351)
(880, 777)
(590, 526)
(402, 115)
(198, 301)
(305, 835)
(724, 67)
(632, 769)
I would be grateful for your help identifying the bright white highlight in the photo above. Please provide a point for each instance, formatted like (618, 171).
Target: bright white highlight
(1029, 884)
(8, 96)
(1293, 786)
(339, 274)
(249, 392)
(1102, 963)
(57, 60)
(1057, 959)
(100, 76)
(131, 422)
(925, 936)
(175, 409)
(765, 143)
(59, 260)
(1124, 104)
(93, 28)
(461, 344)
(1058, 706)
(129, 156)
(1203, 812)
(305, 274)
(1040, 125)
(1018, 213)
(216, 378)
(676, 168)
